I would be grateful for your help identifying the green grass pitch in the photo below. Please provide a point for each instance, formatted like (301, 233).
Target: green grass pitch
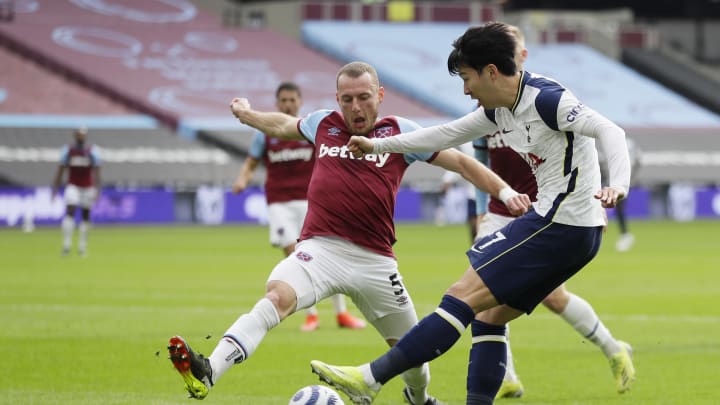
(94, 330)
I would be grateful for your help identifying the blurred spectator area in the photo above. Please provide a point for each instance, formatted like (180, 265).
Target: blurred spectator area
(679, 138)
(150, 71)
(130, 157)
(29, 88)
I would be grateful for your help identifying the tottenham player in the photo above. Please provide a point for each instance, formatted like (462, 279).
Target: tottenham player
(289, 166)
(515, 268)
(493, 151)
(82, 162)
(346, 244)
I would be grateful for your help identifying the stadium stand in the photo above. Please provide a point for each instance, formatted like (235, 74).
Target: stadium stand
(28, 88)
(677, 136)
(173, 61)
(131, 157)
(140, 73)
(675, 75)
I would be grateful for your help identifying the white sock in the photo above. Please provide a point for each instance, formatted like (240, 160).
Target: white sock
(510, 373)
(243, 337)
(82, 239)
(67, 226)
(311, 310)
(368, 376)
(581, 316)
(417, 381)
(338, 301)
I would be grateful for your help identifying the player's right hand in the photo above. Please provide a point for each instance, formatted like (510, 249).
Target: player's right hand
(238, 105)
(238, 187)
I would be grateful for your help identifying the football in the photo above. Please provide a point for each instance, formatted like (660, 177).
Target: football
(316, 395)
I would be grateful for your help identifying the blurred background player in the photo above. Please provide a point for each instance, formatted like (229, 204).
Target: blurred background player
(626, 239)
(289, 165)
(495, 153)
(82, 162)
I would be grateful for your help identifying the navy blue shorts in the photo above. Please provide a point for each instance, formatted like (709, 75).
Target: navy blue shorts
(526, 260)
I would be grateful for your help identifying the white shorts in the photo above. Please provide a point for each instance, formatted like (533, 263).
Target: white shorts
(286, 221)
(325, 266)
(80, 196)
(491, 223)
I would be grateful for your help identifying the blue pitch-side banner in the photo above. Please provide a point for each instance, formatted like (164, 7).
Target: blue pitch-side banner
(213, 205)
(209, 205)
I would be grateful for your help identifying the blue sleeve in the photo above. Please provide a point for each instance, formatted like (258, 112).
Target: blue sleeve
(547, 103)
(407, 125)
(64, 155)
(309, 124)
(95, 155)
(482, 155)
(257, 147)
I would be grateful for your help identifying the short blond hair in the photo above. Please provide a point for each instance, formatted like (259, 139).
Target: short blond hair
(357, 69)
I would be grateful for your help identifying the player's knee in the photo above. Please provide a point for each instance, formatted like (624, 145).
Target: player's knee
(556, 302)
(459, 290)
(282, 297)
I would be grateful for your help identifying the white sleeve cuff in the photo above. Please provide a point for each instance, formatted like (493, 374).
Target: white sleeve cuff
(506, 194)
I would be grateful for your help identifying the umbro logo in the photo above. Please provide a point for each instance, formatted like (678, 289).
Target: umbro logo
(334, 131)
(506, 131)
(306, 257)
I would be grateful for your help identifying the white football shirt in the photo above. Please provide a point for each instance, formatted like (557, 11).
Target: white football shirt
(554, 133)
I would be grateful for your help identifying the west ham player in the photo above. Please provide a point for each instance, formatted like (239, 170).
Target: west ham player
(493, 151)
(347, 238)
(82, 162)
(515, 268)
(289, 166)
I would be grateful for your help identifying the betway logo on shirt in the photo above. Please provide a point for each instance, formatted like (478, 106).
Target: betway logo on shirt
(287, 155)
(80, 161)
(342, 152)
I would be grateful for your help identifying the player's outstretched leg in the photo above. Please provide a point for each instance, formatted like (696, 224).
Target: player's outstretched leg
(194, 368)
(622, 367)
(347, 379)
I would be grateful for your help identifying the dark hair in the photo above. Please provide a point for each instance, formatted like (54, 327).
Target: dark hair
(492, 43)
(287, 86)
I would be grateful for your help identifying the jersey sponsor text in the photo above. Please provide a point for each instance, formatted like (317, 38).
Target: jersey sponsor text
(342, 152)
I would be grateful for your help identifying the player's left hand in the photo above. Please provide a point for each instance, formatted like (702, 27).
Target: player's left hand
(359, 145)
(609, 197)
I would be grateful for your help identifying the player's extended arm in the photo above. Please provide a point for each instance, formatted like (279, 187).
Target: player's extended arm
(610, 139)
(275, 124)
(429, 139)
(483, 178)
(246, 172)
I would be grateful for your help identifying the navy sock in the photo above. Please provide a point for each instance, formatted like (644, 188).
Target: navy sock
(433, 336)
(486, 367)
